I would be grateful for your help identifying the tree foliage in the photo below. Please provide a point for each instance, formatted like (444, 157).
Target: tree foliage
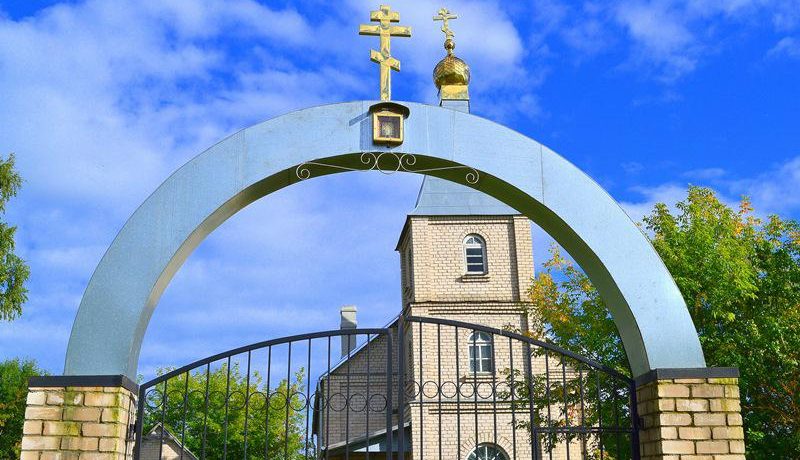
(14, 375)
(274, 426)
(13, 270)
(740, 277)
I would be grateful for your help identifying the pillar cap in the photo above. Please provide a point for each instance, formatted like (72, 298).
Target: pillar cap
(688, 373)
(58, 381)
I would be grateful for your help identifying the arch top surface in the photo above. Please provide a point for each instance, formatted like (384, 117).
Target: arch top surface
(647, 307)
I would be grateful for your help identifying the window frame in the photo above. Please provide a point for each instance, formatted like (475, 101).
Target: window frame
(481, 353)
(409, 265)
(478, 243)
(499, 455)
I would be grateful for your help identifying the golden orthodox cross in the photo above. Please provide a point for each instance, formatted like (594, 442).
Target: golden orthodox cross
(444, 16)
(385, 16)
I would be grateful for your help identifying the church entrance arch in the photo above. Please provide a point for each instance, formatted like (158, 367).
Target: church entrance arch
(645, 303)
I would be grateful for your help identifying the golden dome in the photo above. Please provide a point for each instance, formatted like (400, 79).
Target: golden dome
(450, 70)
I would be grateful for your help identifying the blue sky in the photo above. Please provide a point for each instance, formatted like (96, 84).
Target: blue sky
(102, 100)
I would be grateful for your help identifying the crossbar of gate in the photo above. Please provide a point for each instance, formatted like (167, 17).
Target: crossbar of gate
(420, 388)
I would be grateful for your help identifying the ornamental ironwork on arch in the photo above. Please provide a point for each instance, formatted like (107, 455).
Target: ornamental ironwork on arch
(403, 391)
(386, 162)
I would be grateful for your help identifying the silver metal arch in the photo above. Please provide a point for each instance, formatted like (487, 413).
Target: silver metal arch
(647, 307)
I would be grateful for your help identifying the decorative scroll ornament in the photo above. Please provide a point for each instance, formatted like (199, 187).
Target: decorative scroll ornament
(386, 163)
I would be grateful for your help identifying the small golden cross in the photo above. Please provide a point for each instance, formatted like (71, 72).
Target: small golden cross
(385, 16)
(444, 16)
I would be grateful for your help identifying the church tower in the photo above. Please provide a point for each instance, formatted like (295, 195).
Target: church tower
(467, 263)
(464, 255)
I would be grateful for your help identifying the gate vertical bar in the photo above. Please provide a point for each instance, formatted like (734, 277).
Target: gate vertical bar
(458, 395)
(367, 406)
(494, 391)
(600, 416)
(163, 417)
(583, 412)
(227, 403)
(137, 448)
(535, 454)
(308, 395)
(420, 396)
(267, 402)
(439, 385)
(347, 406)
(328, 405)
(635, 448)
(513, 396)
(183, 424)
(246, 403)
(566, 402)
(389, 381)
(205, 411)
(401, 387)
(550, 436)
(288, 403)
(475, 361)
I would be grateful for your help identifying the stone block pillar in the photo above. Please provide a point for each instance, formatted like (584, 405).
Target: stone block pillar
(79, 418)
(690, 414)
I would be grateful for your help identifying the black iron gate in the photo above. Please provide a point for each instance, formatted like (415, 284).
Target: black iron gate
(420, 388)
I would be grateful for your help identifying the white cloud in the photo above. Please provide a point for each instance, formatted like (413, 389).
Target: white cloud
(110, 94)
(662, 36)
(705, 174)
(786, 15)
(662, 39)
(772, 191)
(589, 37)
(786, 47)
(669, 194)
(632, 167)
(193, 19)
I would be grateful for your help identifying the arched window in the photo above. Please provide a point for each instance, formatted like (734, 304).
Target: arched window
(475, 254)
(481, 356)
(487, 452)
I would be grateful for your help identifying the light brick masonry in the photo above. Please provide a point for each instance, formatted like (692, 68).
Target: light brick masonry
(691, 419)
(80, 423)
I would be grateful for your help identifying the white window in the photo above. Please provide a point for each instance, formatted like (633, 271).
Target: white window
(487, 452)
(475, 254)
(409, 268)
(481, 357)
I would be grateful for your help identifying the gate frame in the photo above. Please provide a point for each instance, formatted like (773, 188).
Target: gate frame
(398, 380)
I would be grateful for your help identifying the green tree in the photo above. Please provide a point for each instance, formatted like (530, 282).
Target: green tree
(740, 277)
(276, 426)
(13, 270)
(14, 375)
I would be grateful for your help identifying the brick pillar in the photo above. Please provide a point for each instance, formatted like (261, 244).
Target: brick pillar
(690, 414)
(80, 418)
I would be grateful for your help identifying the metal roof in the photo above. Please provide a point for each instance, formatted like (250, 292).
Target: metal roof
(440, 197)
